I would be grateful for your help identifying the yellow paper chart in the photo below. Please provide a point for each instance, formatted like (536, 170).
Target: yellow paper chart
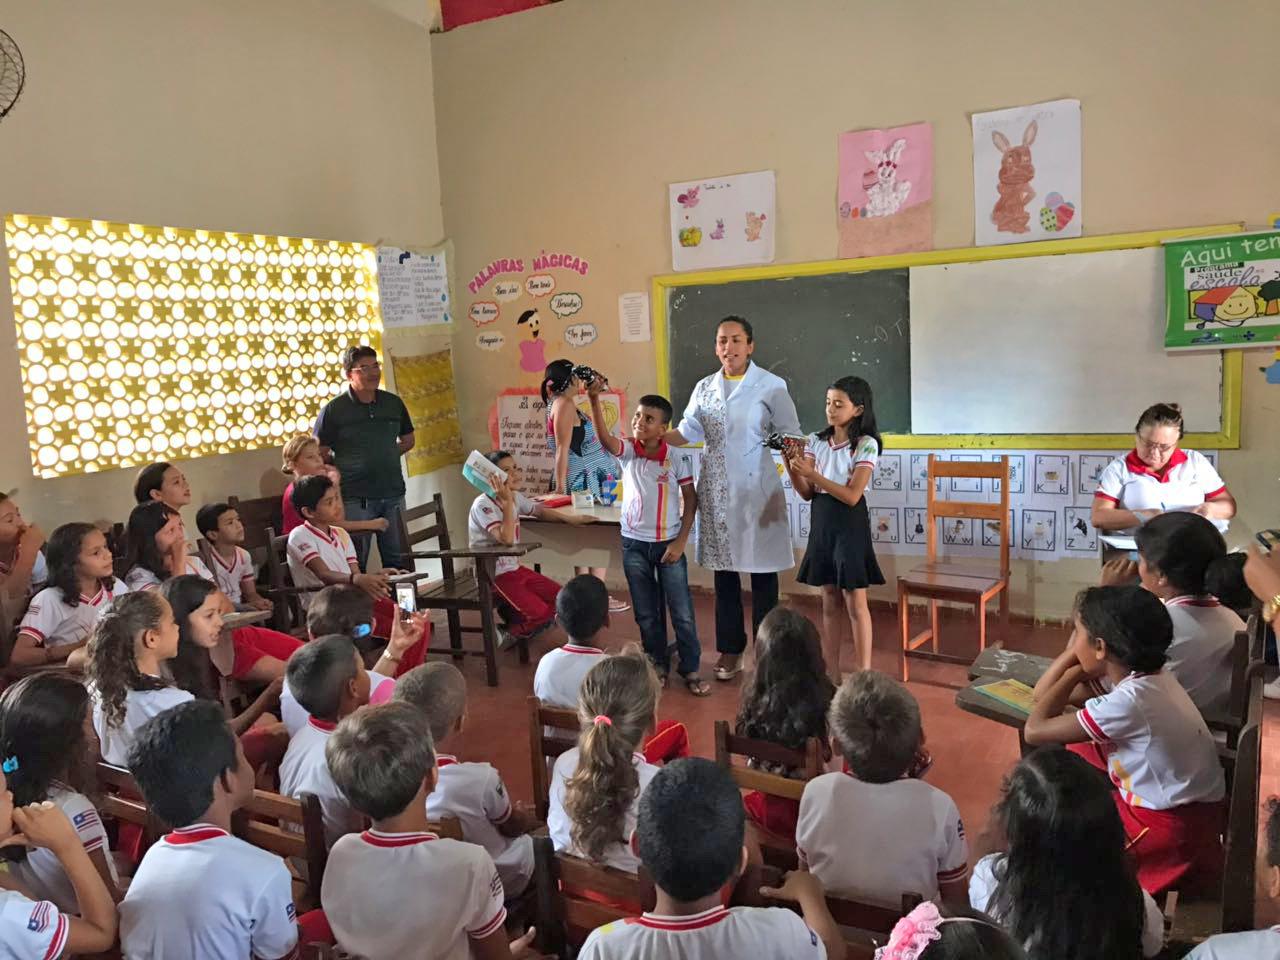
(1013, 693)
(425, 384)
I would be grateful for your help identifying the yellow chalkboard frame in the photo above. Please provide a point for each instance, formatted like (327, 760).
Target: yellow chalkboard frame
(1227, 437)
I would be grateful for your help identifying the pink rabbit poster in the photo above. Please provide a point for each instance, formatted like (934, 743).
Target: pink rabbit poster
(1026, 173)
(884, 191)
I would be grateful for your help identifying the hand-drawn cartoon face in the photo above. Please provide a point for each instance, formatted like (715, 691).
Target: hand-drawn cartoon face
(532, 323)
(1237, 307)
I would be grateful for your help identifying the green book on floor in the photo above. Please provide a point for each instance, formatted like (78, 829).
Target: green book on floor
(1012, 693)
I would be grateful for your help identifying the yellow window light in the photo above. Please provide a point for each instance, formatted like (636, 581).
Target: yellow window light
(139, 342)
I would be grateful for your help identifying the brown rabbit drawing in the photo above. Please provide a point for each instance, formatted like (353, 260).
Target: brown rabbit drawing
(1016, 172)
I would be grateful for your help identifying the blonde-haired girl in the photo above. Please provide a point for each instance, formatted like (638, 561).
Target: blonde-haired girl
(301, 458)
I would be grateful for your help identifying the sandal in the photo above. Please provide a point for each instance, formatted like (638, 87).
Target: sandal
(697, 686)
(728, 673)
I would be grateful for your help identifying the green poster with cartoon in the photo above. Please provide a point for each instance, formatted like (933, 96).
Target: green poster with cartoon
(1223, 292)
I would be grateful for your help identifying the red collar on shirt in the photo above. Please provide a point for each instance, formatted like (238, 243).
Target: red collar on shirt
(235, 557)
(574, 648)
(330, 536)
(677, 924)
(1189, 600)
(445, 760)
(379, 839)
(1135, 465)
(659, 455)
(194, 834)
(324, 725)
(97, 598)
(1135, 675)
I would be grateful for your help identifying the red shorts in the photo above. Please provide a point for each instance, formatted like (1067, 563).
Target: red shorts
(253, 643)
(775, 814)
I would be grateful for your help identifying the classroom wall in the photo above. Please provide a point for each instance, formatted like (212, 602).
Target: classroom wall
(311, 118)
(560, 128)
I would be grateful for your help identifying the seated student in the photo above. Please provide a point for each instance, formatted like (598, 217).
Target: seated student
(689, 831)
(1146, 733)
(162, 482)
(330, 682)
(447, 903)
(495, 521)
(472, 792)
(582, 610)
(22, 565)
(908, 836)
(785, 701)
(931, 932)
(232, 566)
(201, 893)
(302, 459)
(36, 929)
(156, 548)
(656, 480)
(320, 552)
(1252, 944)
(44, 730)
(1064, 844)
(126, 670)
(81, 588)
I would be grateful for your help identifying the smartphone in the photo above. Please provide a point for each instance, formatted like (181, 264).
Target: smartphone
(407, 598)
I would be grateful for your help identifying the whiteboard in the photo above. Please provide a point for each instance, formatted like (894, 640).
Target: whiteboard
(1071, 343)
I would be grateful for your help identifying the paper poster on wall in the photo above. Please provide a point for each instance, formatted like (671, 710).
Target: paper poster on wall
(413, 287)
(633, 317)
(1026, 173)
(425, 384)
(518, 424)
(884, 191)
(722, 222)
(1222, 292)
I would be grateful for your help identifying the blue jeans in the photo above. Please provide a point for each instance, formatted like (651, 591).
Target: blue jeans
(391, 547)
(651, 582)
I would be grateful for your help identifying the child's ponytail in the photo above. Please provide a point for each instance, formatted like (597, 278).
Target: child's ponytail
(616, 708)
(113, 667)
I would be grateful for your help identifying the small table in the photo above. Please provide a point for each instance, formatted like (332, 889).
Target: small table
(996, 663)
(595, 544)
(243, 618)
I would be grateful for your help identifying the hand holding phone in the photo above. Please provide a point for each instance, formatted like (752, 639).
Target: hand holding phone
(407, 598)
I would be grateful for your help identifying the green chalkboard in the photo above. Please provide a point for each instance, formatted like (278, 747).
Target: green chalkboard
(808, 330)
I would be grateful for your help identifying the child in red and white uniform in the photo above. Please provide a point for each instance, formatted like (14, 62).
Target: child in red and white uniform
(582, 610)
(449, 899)
(1145, 733)
(201, 893)
(230, 562)
(690, 832)
(495, 521)
(302, 458)
(329, 679)
(909, 838)
(472, 792)
(61, 617)
(1252, 944)
(157, 547)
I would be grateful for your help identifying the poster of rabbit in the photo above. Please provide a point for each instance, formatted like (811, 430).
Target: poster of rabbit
(884, 191)
(1026, 173)
(722, 221)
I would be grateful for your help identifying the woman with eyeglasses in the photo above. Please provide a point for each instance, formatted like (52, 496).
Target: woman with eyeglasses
(1157, 476)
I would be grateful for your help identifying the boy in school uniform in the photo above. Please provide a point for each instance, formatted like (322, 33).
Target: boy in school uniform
(201, 893)
(230, 562)
(909, 837)
(689, 835)
(582, 610)
(328, 677)
(321, 553)
(656, 481)
(396, 890)
(472, 792)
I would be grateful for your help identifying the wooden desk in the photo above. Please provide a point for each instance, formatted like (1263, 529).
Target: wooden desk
(597, 544)
(971, 700)
(997, 663)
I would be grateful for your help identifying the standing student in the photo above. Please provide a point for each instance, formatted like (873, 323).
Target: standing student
(222, 529)
(301, 458)
(743, 522)
(658, 507)
(22, 565)
(157, 547)
(833, 472)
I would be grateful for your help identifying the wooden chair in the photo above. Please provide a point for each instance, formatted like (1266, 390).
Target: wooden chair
(121, 800)
(288, 617)
(544, 747)
(290, 828)
(778, 851)
(974, 582)
(260, 516)
(459, 590)
(1240, 863)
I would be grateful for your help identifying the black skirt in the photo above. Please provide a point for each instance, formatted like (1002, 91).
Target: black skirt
(840, 549)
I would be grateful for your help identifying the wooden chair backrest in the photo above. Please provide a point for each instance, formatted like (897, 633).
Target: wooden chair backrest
(122, 800)
(1240, 864)
(287, 608)
(544, 747)
(968, 509)
(117, 542)
(863, 921)
(1238, 698)
(564, 915)
(260, 516)
(808, 762)
(287, 827)
(436, 528)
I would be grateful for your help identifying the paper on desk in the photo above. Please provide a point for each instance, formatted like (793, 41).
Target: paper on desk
(1013, 693)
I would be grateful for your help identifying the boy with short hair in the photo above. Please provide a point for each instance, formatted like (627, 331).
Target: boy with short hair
(321, 553)
(656, 480)
(582, 610)
(220, 525)
(689, 834)
(328, 678)
(472, 792)
(909, 838)
(397, 890)
(200, 892)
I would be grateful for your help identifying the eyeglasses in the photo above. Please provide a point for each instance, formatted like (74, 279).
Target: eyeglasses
(1156, 447)
(367, 367)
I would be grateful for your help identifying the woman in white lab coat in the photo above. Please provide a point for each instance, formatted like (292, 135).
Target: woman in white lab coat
(743, 525)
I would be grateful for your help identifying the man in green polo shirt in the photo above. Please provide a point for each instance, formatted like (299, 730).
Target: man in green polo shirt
(364, 432)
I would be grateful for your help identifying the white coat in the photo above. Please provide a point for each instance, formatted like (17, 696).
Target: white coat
(742, 510)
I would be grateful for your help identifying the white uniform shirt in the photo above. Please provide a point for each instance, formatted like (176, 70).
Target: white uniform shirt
(30, 929)
(877, 841)
(1204, 637)
(202, 894)
(560, 827)
(391, 896)
(294, 715)
(716, 934)
(982, 888)
(306, 543)
(1247, 945)
(304, 770)
(140, 578)
(837, 461)
(139, 707)
(228, 577)
(1160, 754)
(1188, 480)
(486, 516)
(476, 795)
(55, 623)
(560, 673)
(651, 497)
(42, 873)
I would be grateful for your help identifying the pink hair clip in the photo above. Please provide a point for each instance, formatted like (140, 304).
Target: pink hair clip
(601, 718)
(912, 934)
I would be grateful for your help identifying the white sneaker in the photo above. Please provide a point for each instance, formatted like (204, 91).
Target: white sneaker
(1272, 690)
(618, 606)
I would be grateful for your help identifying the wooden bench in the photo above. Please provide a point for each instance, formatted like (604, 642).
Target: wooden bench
(544, 748)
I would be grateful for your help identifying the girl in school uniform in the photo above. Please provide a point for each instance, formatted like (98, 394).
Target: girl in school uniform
(833, 472)
(157, 548)
(1145, 733)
